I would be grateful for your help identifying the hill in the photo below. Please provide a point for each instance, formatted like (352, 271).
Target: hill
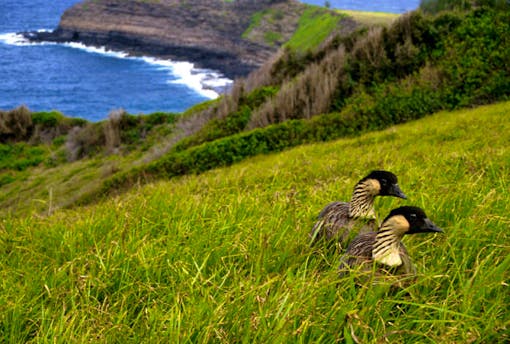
(346, 84)
(224, 256)
(234, 37)
(315, 89)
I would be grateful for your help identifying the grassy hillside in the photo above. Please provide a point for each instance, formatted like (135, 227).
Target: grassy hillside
(224, 256)
(370, 18)
(314, 26)
(354, 81)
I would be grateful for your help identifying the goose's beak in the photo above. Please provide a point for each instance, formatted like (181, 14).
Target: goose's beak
(397, 192)
(430, 226)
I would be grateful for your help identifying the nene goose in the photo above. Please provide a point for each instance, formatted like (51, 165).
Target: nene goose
(338, 219)
(384, 247)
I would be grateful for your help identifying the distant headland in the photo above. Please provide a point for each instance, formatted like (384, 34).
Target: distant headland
(233, 37)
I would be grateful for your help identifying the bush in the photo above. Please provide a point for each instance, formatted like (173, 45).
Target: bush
(233, 122)
(475, 59)
(435, 6)
(47, 119)
(15, 125)
(85, 141)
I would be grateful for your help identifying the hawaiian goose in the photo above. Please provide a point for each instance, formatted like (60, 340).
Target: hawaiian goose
(338, 219)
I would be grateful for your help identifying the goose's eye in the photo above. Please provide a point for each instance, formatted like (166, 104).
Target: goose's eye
(413, 217)
(383, 182)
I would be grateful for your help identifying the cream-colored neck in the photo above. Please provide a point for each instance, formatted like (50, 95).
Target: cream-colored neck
(362, 201)
(386, 248)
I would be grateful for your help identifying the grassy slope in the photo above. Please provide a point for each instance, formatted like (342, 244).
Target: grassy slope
(314, 27)
(223, 256)
(44, 188)
(370, 18)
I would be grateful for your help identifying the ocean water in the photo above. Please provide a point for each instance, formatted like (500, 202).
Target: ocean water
(89, 82)
(390, 6)
(83, 81)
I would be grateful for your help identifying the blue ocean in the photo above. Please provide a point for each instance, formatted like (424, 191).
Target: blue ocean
(89, 82)
(389, 6)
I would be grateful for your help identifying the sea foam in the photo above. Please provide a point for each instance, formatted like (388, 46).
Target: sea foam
(207, 83)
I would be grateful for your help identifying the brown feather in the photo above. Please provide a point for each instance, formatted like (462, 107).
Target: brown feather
(336, 223)
(359, 256)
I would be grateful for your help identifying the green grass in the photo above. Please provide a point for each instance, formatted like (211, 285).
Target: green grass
(20, 156)
(254, 22)
(370, 18)
(314, 26)
(271, 37)
(224, 256)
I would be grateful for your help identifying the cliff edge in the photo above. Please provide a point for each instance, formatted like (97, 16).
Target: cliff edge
(234, 37)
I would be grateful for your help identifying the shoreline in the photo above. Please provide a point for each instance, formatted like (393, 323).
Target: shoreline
(202, 58)
(204, 81)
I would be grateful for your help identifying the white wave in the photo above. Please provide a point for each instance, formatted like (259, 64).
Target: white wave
(203, 81)
(13, 38)
(97, 50)
(207, 83)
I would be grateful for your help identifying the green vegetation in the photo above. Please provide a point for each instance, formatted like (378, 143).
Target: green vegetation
(224, 256)
(38, 150)
(386, 86)
(234, 123)
(272, 38)
(274, 25)
(20, 156)
(315, 25)
(254, 22)
(367, 80)
(370, 18)
(435, 6)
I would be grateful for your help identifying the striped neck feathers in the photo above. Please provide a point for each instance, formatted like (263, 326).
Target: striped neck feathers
(387, 241)
(362, 201)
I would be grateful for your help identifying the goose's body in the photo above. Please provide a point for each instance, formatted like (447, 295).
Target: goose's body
(338, 220)
(383, 250)
(359, 253)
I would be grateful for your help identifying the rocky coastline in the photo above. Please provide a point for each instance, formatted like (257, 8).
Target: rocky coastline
(212, 34)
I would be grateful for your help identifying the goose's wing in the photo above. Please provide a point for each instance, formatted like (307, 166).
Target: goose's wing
(332, 221)
(358, 253)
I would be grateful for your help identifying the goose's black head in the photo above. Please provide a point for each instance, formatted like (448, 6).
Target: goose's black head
(412, 220)
(388, 183)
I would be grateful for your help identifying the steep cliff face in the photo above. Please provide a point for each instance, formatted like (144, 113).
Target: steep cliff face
(211, 33)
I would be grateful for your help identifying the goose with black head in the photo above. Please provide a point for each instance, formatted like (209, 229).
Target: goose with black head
(384, 248)
(338, 219)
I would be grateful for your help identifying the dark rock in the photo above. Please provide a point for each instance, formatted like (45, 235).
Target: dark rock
(209, 33)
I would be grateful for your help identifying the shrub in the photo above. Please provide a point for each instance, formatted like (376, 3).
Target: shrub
(112, 129)
(15, 125)
(435, 6)
(85, 141)
(309, 94)
(47, 119)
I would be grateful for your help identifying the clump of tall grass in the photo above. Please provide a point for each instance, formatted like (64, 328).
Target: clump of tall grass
(15, 125)
(120, 133)
(23, 125)
(311, 93)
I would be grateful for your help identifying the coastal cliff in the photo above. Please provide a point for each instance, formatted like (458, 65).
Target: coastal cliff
(234, 37)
